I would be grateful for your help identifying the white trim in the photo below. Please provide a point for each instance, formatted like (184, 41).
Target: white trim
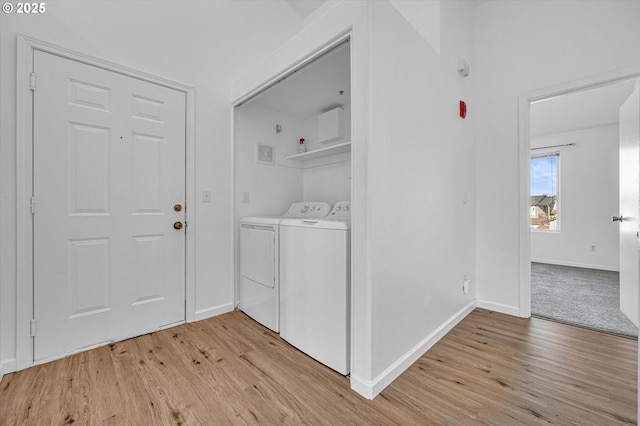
(366, 388)
(7, 365)
(24, 176)
(214, 311)
(370, 388)
(524, 234)
(501, 308)
(524, 145)
(235, 234)
(190, 204)
(577, 265)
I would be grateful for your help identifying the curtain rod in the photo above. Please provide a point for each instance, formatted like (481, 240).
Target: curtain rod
(555, 146)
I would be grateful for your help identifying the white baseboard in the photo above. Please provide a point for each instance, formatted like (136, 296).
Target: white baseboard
(213, 311)
(499, 307)
(363, 387)
(7, 365)
(578, 265)
(370, 388)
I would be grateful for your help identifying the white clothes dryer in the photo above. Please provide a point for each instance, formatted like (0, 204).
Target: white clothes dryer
(260, 261)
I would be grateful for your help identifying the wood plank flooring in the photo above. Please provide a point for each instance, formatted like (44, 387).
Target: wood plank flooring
(491, 369)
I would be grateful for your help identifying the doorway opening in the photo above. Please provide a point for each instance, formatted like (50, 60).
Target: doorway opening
(572, 167)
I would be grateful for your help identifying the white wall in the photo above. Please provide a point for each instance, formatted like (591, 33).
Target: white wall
(523, 46)
(588, 199)
(205, 44)
(421, 180)
(328, 179)
(271, 188)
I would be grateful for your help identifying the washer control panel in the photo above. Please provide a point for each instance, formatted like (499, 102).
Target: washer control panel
(341, 209)
(311, 209)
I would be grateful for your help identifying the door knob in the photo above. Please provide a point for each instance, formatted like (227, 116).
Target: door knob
(177, 225)
(617, 218)
(177, 207)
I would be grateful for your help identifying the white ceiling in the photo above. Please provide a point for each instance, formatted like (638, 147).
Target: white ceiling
(580, 110)
(314, 88)
(305, 8)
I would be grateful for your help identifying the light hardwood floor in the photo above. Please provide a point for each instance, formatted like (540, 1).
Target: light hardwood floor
(491, 369)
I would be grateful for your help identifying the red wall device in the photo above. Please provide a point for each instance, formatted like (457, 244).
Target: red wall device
(463, 109)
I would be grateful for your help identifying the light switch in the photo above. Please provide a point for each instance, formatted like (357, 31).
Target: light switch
(206, 196)
(245, 197)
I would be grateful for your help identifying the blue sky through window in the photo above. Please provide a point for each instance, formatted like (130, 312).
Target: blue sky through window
(544, 175)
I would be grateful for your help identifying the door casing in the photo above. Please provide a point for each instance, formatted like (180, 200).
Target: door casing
(24, 182)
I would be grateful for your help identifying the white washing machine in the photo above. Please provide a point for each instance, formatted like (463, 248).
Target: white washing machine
(260, 261)
(315, 286)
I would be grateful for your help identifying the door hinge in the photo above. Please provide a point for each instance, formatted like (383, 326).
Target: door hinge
(33, 323)
(32, 81)
(32, 204)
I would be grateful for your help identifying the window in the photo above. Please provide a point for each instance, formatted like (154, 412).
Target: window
(544, 192)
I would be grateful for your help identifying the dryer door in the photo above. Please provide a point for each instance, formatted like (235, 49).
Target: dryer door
(258, 254)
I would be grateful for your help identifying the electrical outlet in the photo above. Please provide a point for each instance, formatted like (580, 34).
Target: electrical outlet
(594, 248)
(466, 286)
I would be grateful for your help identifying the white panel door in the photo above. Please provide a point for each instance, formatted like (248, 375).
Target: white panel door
(108, 168)
(629, 196)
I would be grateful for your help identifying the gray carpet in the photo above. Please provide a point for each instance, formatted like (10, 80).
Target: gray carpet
(584, 297)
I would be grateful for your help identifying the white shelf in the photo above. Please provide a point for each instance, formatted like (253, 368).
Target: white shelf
(322, 152)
